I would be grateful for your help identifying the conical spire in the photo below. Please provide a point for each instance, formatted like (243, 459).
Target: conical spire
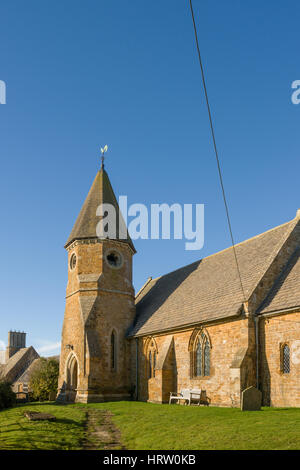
(101, 192)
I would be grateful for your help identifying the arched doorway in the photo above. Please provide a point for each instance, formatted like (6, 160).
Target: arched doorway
(72, 378)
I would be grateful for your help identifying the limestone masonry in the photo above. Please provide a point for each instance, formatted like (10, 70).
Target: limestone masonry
(188, 329)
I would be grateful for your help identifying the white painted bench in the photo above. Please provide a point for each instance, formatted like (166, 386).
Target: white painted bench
(187, 394)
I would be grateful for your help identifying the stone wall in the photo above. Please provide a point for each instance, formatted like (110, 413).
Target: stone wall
(230, 372)
(280, 389)
(99, 300)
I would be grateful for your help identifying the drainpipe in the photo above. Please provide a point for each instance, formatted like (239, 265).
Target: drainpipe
(136, 369)
(256, 323)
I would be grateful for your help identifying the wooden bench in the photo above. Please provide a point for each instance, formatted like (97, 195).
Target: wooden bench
(190, 395)
(185, 395)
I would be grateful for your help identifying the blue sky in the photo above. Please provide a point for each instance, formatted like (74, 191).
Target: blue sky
(125, 73)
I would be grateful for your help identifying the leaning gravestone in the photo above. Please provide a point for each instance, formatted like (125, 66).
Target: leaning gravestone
(251, 399)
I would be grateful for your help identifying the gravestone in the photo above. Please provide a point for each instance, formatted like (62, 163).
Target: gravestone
(251, 399)
(36, 416)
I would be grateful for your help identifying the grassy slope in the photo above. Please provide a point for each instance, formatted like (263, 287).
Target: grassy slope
(149, 426)
(16, 432)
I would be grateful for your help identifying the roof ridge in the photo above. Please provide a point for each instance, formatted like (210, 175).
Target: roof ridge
(217, 253)
(143, 286)
(247, 240)
(273, 255)
(278, 280)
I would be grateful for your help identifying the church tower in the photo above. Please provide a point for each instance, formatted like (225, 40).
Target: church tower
(95, 357)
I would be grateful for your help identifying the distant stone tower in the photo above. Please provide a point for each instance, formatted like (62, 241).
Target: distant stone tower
(16, 341)
(95, 357)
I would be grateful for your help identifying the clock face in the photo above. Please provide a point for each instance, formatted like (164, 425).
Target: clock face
(73, 260)
(114, 259)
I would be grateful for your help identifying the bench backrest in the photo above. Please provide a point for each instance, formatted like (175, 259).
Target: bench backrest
(185, 393)
(196, 390)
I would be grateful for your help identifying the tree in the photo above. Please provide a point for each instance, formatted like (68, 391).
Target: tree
(44, 379)
(7, 396)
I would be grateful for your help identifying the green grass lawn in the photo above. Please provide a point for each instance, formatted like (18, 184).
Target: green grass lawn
(150, 426)
(16, 432)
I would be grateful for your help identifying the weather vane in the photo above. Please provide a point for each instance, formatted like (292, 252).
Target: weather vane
(103, 151)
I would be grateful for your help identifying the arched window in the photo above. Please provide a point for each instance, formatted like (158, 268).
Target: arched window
(200, 354)
(198, 362)
(285, 359)
(206, 358)
(113, 358)
(150, 364)
(151, 356)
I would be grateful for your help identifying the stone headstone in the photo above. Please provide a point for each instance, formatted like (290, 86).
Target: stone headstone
(52, 396)
(251, 399)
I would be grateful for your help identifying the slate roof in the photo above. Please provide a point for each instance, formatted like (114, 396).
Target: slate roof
(101, 192)
(285, 293)
(208, 289)
(14, 359)
(25, 377)
(18, 363)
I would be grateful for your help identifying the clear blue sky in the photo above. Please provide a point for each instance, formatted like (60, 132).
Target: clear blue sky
(125, 73)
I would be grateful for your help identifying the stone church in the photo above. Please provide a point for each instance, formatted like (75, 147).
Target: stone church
(188, 329)
(18, 363)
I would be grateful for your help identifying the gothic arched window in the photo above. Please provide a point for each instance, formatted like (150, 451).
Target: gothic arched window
(200, 354)
(151, 355)
(150, 364)
(198, 362)
(206, 358)
(113, 359)
(285, 359)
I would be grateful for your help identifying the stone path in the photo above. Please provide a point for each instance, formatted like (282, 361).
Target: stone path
(101, 433)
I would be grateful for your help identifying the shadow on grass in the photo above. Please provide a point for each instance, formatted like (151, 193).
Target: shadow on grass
(278, 409)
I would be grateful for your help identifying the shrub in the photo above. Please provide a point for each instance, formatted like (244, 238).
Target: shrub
(44, 379)
(7, 396)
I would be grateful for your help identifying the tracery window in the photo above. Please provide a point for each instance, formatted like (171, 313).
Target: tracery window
(151, 358)
(150, 364)
(200, 354)
(206, 362)
(198, 369)
(285, 359)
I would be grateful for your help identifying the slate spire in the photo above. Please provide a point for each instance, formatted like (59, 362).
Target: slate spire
(101, 192)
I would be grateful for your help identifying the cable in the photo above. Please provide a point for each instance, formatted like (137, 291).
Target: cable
(215, 148)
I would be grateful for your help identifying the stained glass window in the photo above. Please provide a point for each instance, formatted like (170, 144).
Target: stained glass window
(206, 358)
(286, 359)
(201, 356)
(150, 364)
(198, 368)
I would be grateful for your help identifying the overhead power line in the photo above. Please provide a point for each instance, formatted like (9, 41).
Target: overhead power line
(215, 148)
